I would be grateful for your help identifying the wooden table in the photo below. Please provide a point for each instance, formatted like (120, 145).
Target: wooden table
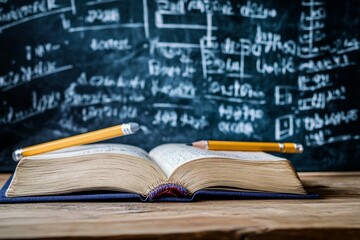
(336, 215)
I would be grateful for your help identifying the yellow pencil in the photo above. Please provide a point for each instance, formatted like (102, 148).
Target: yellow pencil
(249, 146)
(90, 137)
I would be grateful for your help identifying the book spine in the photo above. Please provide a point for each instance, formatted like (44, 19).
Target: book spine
(168, 190)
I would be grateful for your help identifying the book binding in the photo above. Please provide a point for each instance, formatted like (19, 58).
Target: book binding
(168, 190)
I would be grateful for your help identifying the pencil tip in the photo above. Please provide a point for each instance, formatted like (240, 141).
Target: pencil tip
(200, 144)
(134, 127)
(188, 144)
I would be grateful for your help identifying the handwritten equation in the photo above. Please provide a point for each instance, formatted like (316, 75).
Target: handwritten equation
(240, 70)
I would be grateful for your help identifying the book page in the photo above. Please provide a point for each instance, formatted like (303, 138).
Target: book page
(170, 156)
(103, 148)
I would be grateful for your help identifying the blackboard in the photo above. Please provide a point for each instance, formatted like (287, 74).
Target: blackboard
(185, 70)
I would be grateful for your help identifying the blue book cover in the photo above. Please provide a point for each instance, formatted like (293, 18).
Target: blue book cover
(165, 193)
(185, 163)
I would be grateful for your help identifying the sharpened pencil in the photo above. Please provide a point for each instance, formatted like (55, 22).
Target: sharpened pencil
(249, 146)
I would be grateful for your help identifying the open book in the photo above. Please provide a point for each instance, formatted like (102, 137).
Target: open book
(170, 168)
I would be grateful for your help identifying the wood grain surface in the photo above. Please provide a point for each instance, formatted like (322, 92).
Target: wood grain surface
(336, 215)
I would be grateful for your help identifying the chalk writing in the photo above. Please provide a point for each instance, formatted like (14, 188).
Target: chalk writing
(181, 90)
(30, 72)
(111, 81)
(318, 100)
(213, 7)
(221, 69)
(281, 67)
(196, 123)
(101, 112)
(238, 128)
(268, 41)
(332, 119)
(39, 104)
(236, 90)
(156, 68)
(311, 83)
(326, 63)
(109, 44)
(237, 113)
(103, 16)
(322, 137)
(173, 119)
(28, 12)
(284, 95)
(41, 50)
(256, 10)
(73, 97)
(167, 8)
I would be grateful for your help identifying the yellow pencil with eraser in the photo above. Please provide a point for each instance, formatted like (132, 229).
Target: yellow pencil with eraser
(90, 137)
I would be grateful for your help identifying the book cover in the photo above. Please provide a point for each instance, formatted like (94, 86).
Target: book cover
(165, 193)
